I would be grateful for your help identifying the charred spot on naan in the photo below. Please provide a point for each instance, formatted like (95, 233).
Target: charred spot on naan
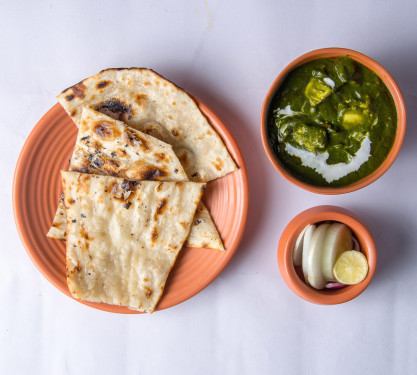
(173, 247)
(97, 146)
(129, 185)
(143, 171)
(74, 270)
(148, 292)
(140, 100)
(58, 225)
(162, 157)
(160, 208)
(77, 91)
(115, 190)
(84, 233)
(133, 138)
(186, 158)
(124, 192)
(156, 130)
(196, 177)
(154, 234)
(106, 130)
(115, 108)
(83, 185)
(120, 152)
(69, 202)
(84, 167)
(102, 84)
(218, 164)
(97, 162)
(153, 173)
(111, 167)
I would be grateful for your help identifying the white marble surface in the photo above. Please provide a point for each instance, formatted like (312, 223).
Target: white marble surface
(247, 321)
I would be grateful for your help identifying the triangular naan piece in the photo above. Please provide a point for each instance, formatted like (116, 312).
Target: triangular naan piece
(139, 96)
(58, 228)
(123, 237)
(108, 147)
(203, 232)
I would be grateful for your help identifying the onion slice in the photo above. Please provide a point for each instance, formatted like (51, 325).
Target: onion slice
(314, 258)
(334, 285)
(298, 248)
(306, 247)
(356, 245)
(338, 239)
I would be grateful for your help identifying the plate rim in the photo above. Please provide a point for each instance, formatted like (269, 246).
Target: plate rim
(209, 114)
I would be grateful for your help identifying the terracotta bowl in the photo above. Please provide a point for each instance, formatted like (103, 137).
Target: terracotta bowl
(385, 77)
(293, 276)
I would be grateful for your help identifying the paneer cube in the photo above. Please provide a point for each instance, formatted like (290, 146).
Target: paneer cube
(316, 91)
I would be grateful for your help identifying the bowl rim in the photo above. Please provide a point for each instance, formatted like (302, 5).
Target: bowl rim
(286, 246)
(382, 74)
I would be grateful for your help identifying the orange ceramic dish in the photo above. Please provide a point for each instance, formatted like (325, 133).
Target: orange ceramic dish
(296, 281)
(389, 82)
(37, 187)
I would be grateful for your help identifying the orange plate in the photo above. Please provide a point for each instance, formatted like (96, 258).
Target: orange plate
(37, 186)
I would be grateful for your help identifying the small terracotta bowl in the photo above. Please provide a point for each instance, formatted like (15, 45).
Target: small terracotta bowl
(385, 77)
(294, 277)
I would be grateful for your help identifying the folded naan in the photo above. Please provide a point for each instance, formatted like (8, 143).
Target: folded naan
(148, 102)
(124, 236)
(109, 147)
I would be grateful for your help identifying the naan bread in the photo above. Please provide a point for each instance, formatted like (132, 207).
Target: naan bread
(123, 237)
(203, 232)
(148, 102)
(108, 147)
(58, 228)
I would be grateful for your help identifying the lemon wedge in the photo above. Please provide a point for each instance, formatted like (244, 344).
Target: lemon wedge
(351, 267)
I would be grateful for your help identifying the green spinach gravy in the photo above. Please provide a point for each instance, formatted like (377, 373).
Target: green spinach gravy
(332, 122)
